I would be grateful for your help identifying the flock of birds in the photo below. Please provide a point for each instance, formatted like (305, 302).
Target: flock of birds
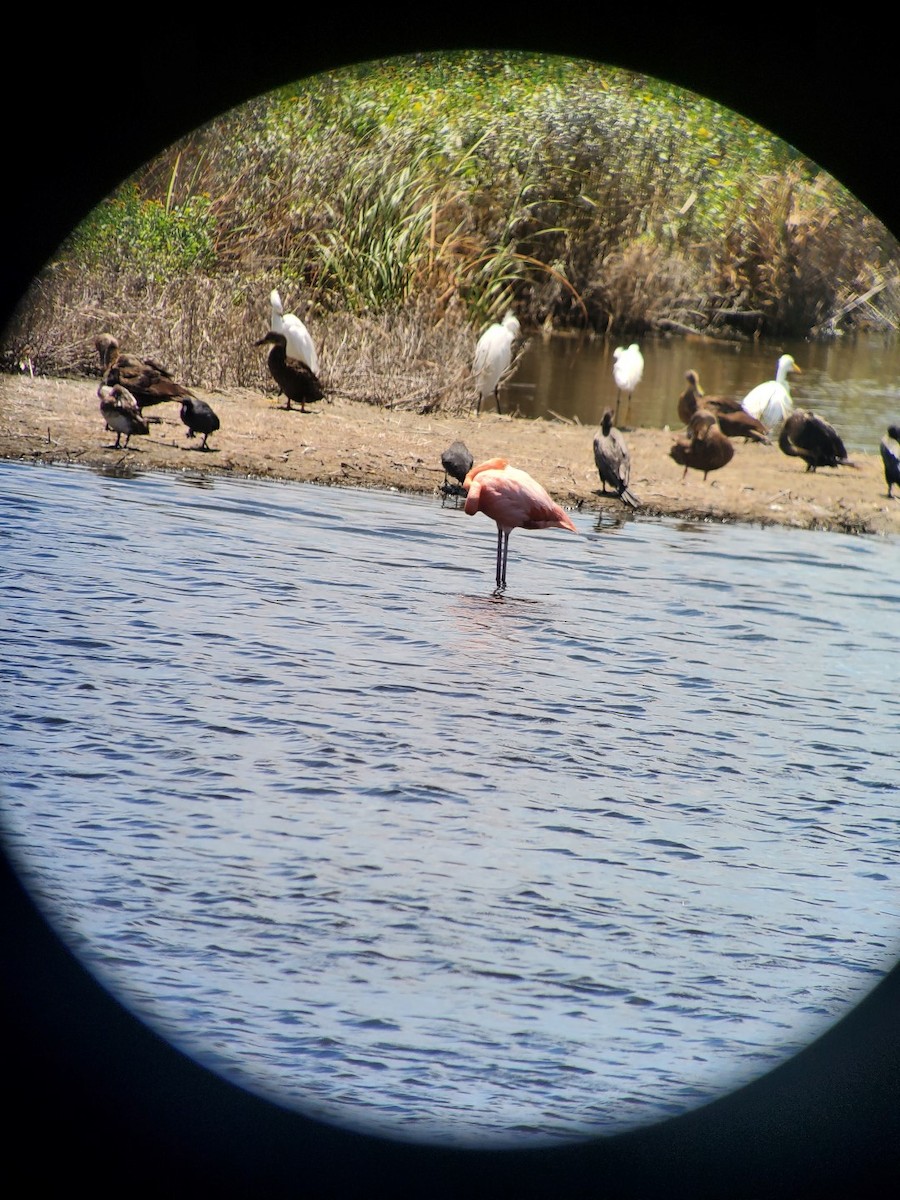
(504, 493)
(513, 500)
(130, 384)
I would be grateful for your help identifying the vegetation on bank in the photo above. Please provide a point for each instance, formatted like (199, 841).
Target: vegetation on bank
(405, 203)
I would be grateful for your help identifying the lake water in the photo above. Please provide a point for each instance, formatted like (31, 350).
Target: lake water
(368, 841)
(852, 382)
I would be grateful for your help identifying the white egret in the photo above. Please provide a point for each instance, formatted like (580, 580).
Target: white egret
(299, 340)
(628, 370)
(771, 402)
(493, 355)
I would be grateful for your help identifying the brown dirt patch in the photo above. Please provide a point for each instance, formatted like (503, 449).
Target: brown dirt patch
(354, 444)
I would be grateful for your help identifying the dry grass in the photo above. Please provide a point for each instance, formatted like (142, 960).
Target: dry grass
(206, 332)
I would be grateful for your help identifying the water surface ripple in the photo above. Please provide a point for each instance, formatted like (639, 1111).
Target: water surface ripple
(364, 839)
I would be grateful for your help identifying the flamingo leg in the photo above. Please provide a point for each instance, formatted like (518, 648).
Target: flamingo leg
(502, 555)
(497, 396)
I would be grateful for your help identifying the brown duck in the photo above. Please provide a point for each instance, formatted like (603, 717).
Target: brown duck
(146, 380)
(808, 436)
(707, 449)
(122, 415)
(733, 420)
(293, 377)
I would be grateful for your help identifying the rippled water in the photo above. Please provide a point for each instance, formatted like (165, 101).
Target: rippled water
(368, 841)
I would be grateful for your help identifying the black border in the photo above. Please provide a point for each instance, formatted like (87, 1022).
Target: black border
(94, 1099)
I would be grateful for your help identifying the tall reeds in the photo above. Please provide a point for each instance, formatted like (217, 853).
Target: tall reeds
(441, 190)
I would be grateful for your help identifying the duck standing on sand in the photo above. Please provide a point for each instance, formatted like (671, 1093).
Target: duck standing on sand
(707, 448)
(147, 382)
(613, 460)
(294, 378)
(122, 415)
(808, 436)
(733, 418)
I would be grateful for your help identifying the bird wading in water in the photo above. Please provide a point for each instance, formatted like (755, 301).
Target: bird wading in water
(457, 462)
(513, 500)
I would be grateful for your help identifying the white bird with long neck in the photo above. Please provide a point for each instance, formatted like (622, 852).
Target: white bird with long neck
(493, 355)
(299, 340)
(771, 402)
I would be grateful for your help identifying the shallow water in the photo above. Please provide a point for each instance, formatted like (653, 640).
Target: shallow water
(371, 842)
(852, 382)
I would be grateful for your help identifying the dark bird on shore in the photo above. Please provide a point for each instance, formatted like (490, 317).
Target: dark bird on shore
(613, 460)
(733, 418)
(122, 415)
(808, 436)
(890, 456)
(147, 381)
(199, 418)
(706, 449)
(457, 462)
(295, 379)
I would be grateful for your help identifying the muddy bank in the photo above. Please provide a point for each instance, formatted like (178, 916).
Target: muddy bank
(352, 444)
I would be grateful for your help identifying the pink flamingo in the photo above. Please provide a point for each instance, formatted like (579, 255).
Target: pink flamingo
(515, 501)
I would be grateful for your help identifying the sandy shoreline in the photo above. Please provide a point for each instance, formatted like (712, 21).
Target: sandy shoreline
(352, 444)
